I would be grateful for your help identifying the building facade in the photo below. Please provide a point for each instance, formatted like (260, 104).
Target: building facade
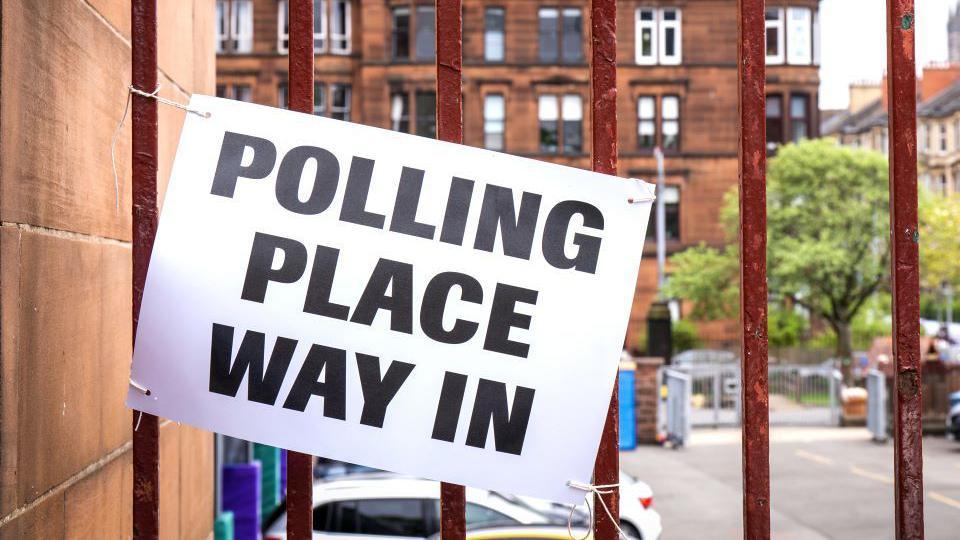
(864, 125)
(526, 88)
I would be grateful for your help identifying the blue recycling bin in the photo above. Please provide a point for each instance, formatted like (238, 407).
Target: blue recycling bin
(628, 409)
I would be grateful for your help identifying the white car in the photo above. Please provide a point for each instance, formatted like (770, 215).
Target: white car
(637, 518)
(386, 506)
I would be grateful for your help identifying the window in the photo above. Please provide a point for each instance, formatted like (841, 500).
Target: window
(670, 36)
(239, 92)
(282, 95)
(425, 47)
(494, 114)
(399, 112)
(561, 123)
(799, 50)
(774, 31)
(647, 122)
(572, 119)
(401, 32)
(670, 122)
(922, 141)
(426, 114)
(561, 35)
(799, 117)
(956, 134)
(671, 214)
(476, 514)
(774, 121)
(234, 26)
(493, 35)
(658, 36)
(646, 44)
(339, 27)
(943, 137)
(319, 101)
(340, 101)
(386, 517)
(816, 37)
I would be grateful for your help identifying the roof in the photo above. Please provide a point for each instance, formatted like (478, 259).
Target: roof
(942, 104)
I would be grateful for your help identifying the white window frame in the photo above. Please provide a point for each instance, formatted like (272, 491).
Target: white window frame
(816, 37)
(651, 25)
(346, 36)
(283, 38)
(347, 98)
(799, 31)
(657, 27)
(241, 29)
(778, 25)
(222, 25)
(677, 25)
(490, 37)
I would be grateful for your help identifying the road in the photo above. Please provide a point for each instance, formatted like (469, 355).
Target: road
(825, 483)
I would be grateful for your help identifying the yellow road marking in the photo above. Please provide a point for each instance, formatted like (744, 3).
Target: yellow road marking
(939, 497)
(817, 458)
(871, 475)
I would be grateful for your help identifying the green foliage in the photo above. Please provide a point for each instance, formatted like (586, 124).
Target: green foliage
(939, 241)
(827, 238)
(708, 277)
(684, 336)
(785, 327)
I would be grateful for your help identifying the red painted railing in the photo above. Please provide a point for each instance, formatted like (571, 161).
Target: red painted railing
(752, 152)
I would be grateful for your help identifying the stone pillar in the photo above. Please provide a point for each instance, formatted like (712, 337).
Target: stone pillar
(648, 394)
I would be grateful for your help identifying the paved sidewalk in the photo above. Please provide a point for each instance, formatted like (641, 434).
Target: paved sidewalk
(826, 483)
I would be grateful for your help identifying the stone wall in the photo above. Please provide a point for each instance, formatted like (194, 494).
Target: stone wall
(65, 269)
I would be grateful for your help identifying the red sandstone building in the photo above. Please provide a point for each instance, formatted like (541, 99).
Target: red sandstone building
(526, 88)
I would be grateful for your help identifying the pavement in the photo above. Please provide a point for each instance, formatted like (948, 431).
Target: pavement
(825, 483)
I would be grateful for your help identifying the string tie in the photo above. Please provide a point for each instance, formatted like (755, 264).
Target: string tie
(599, 490)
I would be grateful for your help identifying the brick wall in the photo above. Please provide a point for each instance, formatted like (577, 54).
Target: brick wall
(65, 265)
(648, 393)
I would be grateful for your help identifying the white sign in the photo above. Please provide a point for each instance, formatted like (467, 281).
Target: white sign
(388, 300)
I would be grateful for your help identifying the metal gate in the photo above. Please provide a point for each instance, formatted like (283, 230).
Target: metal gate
(674, 414)
(905, 284)
(877, 405)
(798, 394)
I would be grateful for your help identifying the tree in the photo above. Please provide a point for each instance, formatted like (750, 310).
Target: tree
(827, 238)
(940, 241)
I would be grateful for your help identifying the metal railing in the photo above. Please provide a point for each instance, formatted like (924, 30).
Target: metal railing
(901, 79)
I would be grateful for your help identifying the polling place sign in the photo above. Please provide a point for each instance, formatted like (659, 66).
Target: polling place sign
(388, 300)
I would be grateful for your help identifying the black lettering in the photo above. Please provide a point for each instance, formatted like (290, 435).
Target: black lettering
(509, 429)
(404, 218)
(448, 409)
(230, 163)
(377, 392)
(555, 235)
(398, 277)
(458, 206)
(225, 378)
(516, 231)
(356, 193)
(503, 317)
(333, 364)
(324, 184)
(260, 270)
(435, 302)
(321, 282)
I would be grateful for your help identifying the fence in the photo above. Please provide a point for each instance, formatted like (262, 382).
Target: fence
(901, 77)
(676, 412)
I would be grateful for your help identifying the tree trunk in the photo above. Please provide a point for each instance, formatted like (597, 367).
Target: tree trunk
(845, 350)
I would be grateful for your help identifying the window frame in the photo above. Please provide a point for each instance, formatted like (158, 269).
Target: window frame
(672, 215)
(777, 25)
(804, 58)
(664, 120)
(233, 35)
(347, 107)
(347, 35)
(676, 25)
(560, 15)
(394, 40)
(487, 33)
(502, 121)
(651, 121)
(773, 143)
(651, 25)
(559, 99)
(431, 28)
(321, 43)
(800, 97)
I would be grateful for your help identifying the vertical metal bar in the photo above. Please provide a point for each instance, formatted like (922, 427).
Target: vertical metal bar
(905, 268)
(603, 110)
(453, 497)
(300, 84)
(753, 270)
(146, 432)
